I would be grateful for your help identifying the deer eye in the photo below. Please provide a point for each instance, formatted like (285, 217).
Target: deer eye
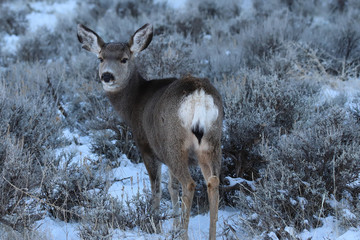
(124, 60)
(101, 59)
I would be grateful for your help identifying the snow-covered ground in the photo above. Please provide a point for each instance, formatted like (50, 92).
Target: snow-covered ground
(45, 14)
(134, 180)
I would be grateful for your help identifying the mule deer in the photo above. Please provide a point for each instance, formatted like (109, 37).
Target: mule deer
(174, 121)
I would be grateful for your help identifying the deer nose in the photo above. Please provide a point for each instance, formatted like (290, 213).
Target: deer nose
(107, 77)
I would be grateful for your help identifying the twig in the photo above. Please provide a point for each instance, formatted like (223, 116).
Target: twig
(56, 99)
(120, 180)
(39, 199)
(231, 229)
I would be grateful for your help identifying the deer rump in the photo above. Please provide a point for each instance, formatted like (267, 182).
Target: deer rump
(187, 107)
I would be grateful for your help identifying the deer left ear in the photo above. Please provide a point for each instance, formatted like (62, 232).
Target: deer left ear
(141, 38)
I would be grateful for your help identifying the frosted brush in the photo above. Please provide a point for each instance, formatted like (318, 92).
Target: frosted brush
(174, 122)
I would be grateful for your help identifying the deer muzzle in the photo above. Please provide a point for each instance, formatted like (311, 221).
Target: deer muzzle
(107, 77)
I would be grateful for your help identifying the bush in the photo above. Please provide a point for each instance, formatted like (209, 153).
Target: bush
(30, 131)
(12, 22)
(308, 172)
(256, 109)
(166, 58)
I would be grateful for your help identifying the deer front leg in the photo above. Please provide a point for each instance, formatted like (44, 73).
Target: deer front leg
(174, 194)
(154, 169)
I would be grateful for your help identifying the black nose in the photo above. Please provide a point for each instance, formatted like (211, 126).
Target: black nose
(107, 77)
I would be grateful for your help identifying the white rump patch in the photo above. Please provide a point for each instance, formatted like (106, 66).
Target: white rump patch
(198, 108)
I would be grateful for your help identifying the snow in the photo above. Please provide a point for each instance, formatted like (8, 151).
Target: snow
(177, 4)
(9, 44)
(132, 179)
(35, 20)
(332, 231)
(247, 7)
(198, 228)
(241, 181)
(353, 233)
(46, 15)
(56, 229)
(80, 148)
(43, 14)
(336, 88)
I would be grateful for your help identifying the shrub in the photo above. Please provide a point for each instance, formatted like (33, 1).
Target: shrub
(29, 130)
(45, 45)
(308, 172)
(269, 38)
(258, 108)
(166, 57)
(12, 22)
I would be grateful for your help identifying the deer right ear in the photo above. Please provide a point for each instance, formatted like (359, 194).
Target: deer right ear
(89, 39)
(141, 38)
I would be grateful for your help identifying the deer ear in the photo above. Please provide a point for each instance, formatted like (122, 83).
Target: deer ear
(89, 39)
(141, 38)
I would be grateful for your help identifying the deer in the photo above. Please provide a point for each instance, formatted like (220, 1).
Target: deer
(176, 122)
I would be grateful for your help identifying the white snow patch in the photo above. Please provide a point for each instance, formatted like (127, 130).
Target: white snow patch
(319, 21)
(247, 6)
(15, 5)
(207, 37)
(46, 14)
(40, 19)
(241, 181)
(353, 233)
(178, 4)
(347, 214)
(9, 44)
(330, 230)
(80, 148)
(56, 229)
(291, 231)
(349, 88)
(273, 236)
(199, 224)
(131, 179)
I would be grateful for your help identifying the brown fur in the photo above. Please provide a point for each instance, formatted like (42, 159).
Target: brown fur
(151, 108)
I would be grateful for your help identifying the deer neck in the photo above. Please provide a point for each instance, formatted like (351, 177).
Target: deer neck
(124, 100)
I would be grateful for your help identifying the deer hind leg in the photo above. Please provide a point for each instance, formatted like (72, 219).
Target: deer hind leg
(210, 163)
(188, 188)
(180, 170)
(173, 187)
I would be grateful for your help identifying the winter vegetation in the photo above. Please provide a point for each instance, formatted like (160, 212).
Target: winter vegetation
(289, 75)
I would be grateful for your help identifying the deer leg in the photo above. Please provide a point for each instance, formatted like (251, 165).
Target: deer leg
(154, 169)
(188, 188)
(210, 167)
(174, 194)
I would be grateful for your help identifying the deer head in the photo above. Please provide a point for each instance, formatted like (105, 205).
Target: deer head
(116, 59)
